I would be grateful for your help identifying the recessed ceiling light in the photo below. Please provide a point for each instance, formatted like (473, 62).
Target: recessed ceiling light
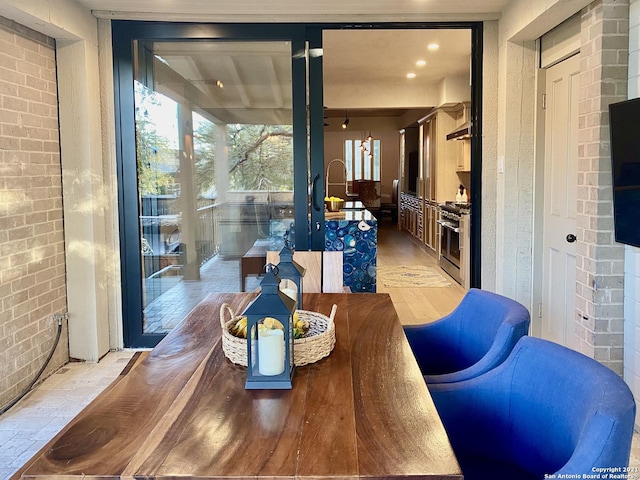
(433, 47)
(411, 75)
(421, 63)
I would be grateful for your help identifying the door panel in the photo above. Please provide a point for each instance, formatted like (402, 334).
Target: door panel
(214, 131)
(560, 185)
(213, 161)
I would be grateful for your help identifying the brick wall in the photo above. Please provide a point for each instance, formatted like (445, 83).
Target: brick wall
(32, 258)
(600, 261)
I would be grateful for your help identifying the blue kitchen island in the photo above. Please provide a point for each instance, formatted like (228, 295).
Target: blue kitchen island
(352, 232)
(355, 233)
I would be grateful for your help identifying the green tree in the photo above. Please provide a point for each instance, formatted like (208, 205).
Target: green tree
(204, 146)
(155, 156)
(256, 153)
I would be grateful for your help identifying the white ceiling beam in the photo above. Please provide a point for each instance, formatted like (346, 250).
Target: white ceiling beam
(272, 78)
(238, 82)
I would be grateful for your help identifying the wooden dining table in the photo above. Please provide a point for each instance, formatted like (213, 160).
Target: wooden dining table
(181, 410)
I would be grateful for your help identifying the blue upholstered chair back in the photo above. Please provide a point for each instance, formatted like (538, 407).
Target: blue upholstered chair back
(547, 409)
(477, 336)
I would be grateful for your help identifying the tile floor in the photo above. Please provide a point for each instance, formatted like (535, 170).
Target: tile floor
(42, 413)
(37, 418)
(216, 275)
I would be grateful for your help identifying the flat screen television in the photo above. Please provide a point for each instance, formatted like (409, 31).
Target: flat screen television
(624, 124)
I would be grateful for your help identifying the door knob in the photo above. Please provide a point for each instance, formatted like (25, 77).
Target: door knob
(571, 238)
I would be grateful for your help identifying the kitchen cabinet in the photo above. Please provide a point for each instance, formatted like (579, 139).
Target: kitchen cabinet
(464, 156)
(465, 250)
(463, 142)
(435, 179)
(440, 156)
(431, 234)
(429, 148)
(411, 215)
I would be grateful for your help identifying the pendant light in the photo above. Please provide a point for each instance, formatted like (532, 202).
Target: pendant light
(346, 119)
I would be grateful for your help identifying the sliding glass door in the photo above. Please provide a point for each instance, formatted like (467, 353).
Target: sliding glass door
(214, 166)
(220, 144)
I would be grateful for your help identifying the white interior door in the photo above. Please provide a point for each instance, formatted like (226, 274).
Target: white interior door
(560, 186)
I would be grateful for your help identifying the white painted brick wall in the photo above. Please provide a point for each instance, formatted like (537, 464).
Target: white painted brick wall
(599, 275)
(32, 257)
(632, 254)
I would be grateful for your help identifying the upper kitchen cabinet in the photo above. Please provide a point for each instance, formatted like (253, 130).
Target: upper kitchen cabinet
(461, 135)
(464, 157)
(441, 156)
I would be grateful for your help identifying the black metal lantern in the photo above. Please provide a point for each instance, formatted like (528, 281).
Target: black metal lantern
(270, 336)
(289, 269)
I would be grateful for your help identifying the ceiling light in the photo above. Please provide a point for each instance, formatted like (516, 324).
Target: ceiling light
(346, 120)
(219, 84)
(433, 47)
(421, 63)
(411, 75)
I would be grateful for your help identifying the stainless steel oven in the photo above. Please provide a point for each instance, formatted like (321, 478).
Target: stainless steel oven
(450, 234)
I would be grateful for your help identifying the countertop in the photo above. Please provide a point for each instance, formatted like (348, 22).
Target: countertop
(350, 215)
(355, 205)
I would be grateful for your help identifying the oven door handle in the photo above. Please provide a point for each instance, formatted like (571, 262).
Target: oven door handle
(448, 225)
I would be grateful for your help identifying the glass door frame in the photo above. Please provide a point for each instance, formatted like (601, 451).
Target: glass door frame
(308, 136)
(124, 33)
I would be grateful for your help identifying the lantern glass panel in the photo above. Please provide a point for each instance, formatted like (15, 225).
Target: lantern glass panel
(268, 347)
(289, 288)
(291, 274)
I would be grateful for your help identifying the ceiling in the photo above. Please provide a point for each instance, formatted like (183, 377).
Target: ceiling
(364, 70)
(298, 10)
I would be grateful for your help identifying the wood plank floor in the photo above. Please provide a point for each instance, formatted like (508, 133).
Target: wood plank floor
(414, 305)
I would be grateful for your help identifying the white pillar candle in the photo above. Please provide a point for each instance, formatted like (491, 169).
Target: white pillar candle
(270, 351)
(290, 292)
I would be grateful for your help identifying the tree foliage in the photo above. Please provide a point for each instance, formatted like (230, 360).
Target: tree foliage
(156, 159)
(258, 152)
(260, 157)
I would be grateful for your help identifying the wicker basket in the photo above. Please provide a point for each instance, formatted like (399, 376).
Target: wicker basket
(317, 343)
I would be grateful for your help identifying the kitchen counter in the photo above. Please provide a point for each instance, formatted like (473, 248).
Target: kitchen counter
(355, 233)
(350, 215)
(354, 205)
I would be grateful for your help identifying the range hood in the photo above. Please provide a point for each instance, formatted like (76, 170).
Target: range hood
(464, 130)
(461, 132)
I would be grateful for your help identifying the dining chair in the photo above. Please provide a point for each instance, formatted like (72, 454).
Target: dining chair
(476, 337)
(546, 412)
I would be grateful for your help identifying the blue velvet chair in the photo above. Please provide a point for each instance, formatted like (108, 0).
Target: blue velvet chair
(546, 410)
(476, 337)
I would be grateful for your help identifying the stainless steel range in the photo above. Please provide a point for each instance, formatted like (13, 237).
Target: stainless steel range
(451, 232)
